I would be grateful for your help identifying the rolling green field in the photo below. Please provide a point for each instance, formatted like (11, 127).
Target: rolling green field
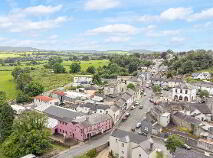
(44, 76)
(8, 55)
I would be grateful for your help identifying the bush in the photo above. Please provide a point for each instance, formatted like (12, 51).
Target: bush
(92, 153)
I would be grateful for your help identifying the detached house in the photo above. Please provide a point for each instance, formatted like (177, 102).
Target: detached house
(77, 125)
(42, 102)
(130, 145)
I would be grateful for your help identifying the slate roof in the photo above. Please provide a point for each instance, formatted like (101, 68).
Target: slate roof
(187, 118)
(95, 119)
(62, 114)
(122, 135)
(203, 108)
(182, 153)
(94, 107)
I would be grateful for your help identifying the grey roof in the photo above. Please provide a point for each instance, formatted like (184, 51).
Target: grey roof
(126, 96)
(120, 102)
(187, 118)
(91, 88)
(132, 136)
(203, 108)
(203, 84)
(95, 119)
(114, 108)
(130, 91)
(94, 107)
(182, 153)
(62, 114)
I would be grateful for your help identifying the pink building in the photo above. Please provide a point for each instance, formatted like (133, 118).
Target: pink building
(77, 125)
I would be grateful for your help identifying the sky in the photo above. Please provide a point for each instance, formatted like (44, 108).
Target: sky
(107, 24)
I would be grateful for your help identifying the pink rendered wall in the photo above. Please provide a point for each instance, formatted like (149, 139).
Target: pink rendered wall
(81, 132)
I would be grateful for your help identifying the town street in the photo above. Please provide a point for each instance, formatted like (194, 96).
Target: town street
(136, 115)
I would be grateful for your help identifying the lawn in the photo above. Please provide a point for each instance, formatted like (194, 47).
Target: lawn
(8, 55)
(7, 84)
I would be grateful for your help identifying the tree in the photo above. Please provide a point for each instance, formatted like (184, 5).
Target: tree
(29, 136)
(159, 154)
(203, 93)
(3, 96)
(33, 89)
(58, 68)
(173, 142)
(16, 72)
(86, 58)
(96, 79)
(156, 89)
(75, 68)
(23, 98)
(6, 120)
(91, 69)
(132, 67)
(23, 80)
(131, 86)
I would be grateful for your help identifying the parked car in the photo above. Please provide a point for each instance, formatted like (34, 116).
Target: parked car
(144, 94)
(133, 128)
(142, 133)
(185, 146)
(127, 114)
(138, 125)
(132, 108)
(141, 107)
(124, 118)
(137, 103)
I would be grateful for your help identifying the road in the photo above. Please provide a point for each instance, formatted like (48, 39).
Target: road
(136, 115)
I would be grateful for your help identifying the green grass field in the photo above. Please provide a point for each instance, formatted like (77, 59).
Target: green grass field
(7, 84)
(44, 76)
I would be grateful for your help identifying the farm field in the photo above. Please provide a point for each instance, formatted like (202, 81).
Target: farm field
(44, 76)
(7, 84)
(8, 55)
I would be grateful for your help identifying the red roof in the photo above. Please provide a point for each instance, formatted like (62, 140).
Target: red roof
(61, 93)
(44, 98)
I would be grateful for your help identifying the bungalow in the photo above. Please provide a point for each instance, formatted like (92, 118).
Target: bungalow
(76, 125)
(201, 76)
(125, 144)
(42, 102)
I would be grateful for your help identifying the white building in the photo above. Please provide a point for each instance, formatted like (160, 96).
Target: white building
(42, 102)
(125, 144)
(84, 79)
(115, 112)
(165, 119)
(201, 76)
(18, 109)
(184, 93)
(208, 86)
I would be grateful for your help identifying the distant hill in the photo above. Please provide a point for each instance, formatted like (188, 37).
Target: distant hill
(17, 49)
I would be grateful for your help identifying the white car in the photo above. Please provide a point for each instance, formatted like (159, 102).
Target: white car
(138, 125)
(127, 114)
(132, 108)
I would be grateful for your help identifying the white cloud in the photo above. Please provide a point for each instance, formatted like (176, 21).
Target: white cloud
(204, 14)
(37, 25)
(114, 29)
(116, 39)
(53, 37)
(40, 10)
(181, 13)
(101, 4)
(163, 33)
(176, 13)
(177, 40)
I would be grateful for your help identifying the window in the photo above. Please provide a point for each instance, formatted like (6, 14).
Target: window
(63, 131)
(176, 90)
(122, 152)
(181, 91)
(139, 155)
(122, 144)
(186, 91)
(116, 140)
